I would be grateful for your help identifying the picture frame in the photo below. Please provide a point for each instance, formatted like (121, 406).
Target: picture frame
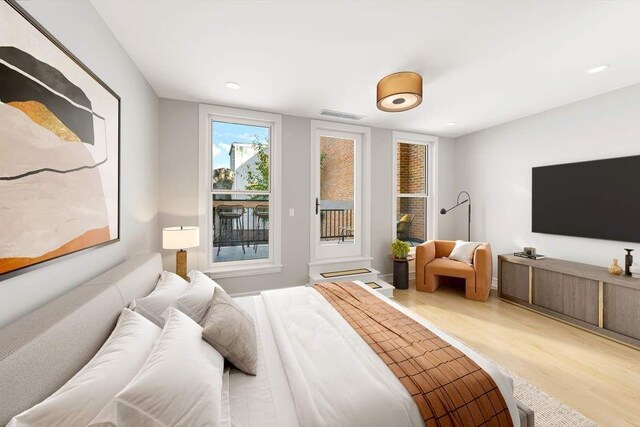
(60, 127)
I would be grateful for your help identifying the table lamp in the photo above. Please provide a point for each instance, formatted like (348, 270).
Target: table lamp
(181, 238)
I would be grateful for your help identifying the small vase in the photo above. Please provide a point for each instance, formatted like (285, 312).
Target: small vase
(615, 268)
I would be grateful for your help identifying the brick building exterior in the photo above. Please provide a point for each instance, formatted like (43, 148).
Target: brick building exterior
(336, 176)
(411, 179)
(336, 186)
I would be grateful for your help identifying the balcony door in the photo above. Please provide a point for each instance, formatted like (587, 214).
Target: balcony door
(339, 204)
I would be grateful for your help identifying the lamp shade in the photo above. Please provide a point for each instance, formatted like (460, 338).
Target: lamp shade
(180, 237)
(399, 91)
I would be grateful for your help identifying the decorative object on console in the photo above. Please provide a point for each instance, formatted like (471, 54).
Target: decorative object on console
(615, 269)
(529, 250)
(628, 261)
(60, 145)
(525, 255)
(399, 92)
(181, 238)
(432, 264)
(443, 211)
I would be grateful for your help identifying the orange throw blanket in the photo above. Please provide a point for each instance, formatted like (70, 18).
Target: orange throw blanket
(449, 388)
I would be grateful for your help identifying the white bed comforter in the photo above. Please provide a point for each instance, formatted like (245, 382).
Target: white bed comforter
(316, 343)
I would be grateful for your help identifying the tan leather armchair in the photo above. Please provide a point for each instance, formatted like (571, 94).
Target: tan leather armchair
(432, 264)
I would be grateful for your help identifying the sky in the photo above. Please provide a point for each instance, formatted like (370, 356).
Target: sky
(224, 134)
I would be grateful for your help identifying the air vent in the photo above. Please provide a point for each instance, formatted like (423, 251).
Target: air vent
(340, 115)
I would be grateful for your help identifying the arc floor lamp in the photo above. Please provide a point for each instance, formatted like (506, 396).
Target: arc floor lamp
(443, 211)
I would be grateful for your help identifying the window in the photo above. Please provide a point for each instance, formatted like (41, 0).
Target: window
(239, 197)
(413, 204)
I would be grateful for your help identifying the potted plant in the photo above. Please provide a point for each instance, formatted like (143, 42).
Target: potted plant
(399, 249)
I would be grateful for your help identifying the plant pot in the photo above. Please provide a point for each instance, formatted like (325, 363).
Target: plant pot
(400, 273)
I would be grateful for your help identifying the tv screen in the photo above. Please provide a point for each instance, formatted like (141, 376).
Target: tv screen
(598, 199)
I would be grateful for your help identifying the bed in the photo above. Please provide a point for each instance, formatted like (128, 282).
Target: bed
(299, 382)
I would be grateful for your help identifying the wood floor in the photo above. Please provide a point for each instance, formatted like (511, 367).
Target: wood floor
(593, 375)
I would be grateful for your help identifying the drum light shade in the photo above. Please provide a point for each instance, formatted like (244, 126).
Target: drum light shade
(180, 237)
(400, 91)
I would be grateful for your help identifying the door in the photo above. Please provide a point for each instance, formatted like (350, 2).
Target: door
(337, 193)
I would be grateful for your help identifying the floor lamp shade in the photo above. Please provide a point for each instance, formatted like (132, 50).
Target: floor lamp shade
(181, 238)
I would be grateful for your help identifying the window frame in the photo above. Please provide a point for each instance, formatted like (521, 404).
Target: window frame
(207, 115)
(431, 196)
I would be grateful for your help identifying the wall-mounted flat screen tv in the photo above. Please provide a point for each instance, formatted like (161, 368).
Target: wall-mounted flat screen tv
(598, 199)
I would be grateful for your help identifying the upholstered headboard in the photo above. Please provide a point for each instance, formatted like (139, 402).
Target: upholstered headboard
(44, 349)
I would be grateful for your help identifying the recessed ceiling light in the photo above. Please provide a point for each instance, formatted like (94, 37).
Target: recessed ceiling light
(233, 85)
(451, 124)
(597, 69)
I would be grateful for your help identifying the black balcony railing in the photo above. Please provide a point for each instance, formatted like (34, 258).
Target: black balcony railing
(248, 230)
(336, 223)
(251, 228)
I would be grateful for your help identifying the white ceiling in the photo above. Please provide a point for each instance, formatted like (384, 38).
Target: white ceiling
(483, 62)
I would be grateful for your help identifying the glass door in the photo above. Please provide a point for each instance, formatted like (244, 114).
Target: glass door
(338, 178)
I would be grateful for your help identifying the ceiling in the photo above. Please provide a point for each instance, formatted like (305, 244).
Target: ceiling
(484, 62)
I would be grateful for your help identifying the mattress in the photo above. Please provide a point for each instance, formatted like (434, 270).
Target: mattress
(290, 361)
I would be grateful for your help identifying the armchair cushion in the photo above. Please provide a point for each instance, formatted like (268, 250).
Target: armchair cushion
(451, 268)
(464, 251)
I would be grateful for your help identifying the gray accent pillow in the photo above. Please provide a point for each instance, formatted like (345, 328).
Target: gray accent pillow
(230, 330)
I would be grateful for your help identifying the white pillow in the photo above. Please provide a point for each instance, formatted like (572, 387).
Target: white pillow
(179, 384)
(170, 286)
(463, 251)
(78, 401)
(195, 301)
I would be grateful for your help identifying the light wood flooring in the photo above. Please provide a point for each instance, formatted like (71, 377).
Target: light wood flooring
(593, 375)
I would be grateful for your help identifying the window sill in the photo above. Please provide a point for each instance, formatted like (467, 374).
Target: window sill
(239, 271)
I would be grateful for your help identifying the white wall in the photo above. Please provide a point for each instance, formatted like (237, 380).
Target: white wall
(494, 165)
(179, 203)
(447, 187)
(79, 27)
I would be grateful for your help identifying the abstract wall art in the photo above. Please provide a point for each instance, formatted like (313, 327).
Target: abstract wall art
(59, 149)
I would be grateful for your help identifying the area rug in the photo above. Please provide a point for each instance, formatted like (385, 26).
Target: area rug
(549, 412)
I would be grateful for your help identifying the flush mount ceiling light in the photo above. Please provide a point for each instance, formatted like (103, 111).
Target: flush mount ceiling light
(233, 85)
(597, 69)
(451, 124)
(399, 92)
